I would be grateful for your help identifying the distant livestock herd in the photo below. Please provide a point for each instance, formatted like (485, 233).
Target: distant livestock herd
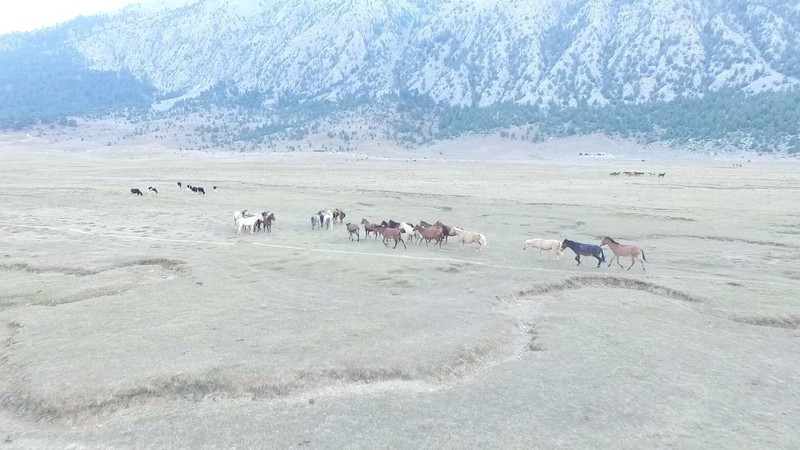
(438, 232)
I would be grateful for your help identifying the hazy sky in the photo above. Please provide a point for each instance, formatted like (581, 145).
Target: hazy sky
(27, 15)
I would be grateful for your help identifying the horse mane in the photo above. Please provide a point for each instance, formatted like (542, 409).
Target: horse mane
(612, 240)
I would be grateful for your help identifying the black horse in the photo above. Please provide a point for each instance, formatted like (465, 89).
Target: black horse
(584, 250)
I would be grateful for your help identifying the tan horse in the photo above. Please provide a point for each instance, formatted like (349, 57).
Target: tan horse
(544, 244)
(623, 250)
(469, 237)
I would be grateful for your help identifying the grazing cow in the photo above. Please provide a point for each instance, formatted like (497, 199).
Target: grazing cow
(136, 191)
(661, 175)
(152, 189)
(200, 190)
(215, 188)
(180, 185)
(353, 228)
(614, 174)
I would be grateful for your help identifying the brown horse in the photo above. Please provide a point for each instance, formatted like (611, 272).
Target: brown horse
(338, 215)
(370, 228)
(391, 233)
(623, 250)
(446, 230)
(430, 234)
(268, 218)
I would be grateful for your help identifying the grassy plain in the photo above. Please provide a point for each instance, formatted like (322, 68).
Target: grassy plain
(143, 322)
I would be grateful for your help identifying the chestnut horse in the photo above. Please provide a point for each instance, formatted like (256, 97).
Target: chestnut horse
(624, 250)
(446, 230)
(429, 234)
(391, 233)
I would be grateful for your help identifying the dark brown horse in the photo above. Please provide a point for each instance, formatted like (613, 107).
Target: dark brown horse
(268, 218)
(338, 215)
(446, 230)
(430, 234)
(391, 233)
(370, 228)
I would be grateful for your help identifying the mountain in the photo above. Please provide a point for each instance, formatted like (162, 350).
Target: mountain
(548, 60)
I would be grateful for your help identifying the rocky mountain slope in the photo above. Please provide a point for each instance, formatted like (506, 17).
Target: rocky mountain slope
(548, 54)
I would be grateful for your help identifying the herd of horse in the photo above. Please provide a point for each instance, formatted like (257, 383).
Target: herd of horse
(254, 222)
(438, 234)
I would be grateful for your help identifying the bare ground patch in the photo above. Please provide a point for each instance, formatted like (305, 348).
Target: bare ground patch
(168, 264)
(791, 322)
(607, 282)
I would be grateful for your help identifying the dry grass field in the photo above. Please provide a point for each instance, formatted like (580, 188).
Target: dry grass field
(146, 322)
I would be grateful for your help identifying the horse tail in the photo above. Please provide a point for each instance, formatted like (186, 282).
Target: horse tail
(643, 255)
(602, 255)
(483, 241)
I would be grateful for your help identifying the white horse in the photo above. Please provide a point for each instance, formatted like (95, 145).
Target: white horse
(553, 245)
(469, 237)
(250, 221)
(408, 230)
(237, 214)
(327, 220)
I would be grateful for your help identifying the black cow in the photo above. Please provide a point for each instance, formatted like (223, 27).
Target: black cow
(136, 191)
(215, 189)
(180, 185)
(201, 190)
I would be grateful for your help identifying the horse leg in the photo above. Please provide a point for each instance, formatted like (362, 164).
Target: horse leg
(612, 260)
(598, 262)
(401, 240)
(618, 263)
(633, 261)
(578, 258)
